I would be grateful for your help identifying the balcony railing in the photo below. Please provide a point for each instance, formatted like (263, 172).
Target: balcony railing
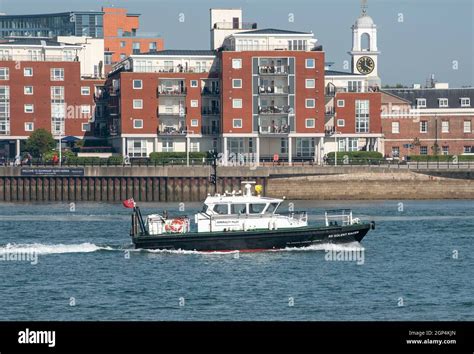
(210, 130)
(39, 57)
(273, 90)
(333, 90)
(209, 92)
(271, 47)
(171, 91)
(172, 69)
(330, 111)
(178, 111)
(329, 130)
(274, 110)
(172, 130)
(274, 129)
(273, 70)
(235, 25)
(211, 110)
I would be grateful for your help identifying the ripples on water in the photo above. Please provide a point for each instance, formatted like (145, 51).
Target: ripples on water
(87, 255)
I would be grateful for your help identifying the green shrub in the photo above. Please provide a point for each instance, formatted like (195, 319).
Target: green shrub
(115, 160)
(355, 157)
(176, 157)
(440, 158)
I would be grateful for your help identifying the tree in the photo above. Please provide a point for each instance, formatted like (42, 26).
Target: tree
(40, 142)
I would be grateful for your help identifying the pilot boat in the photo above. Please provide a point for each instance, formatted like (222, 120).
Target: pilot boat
(243, 221)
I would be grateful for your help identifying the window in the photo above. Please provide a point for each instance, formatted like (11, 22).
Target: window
(445, 126)
(465, 102)
(4, 74)
(283, 146)
(237, 83)
(138, 123)
(28, 90)
(310, 64)
(354, 86)
(86, 110)
(167, 145)
(445, 150)
(29, 108)
(137, 84)
(236, 63)
(310, 83)
(122, 44)
(194, 103)
(395, 127)
(237, 103)
(424, 126)
(29, 126)
(310, 123)
(238, 209)
(85, 90)
(86, 127)
(57, 74)
(443, 102)
(28, 72)
(221, 209)
(194, 146)
(310, 103)
(256, 208)
(341, 122)
(341, 103)
(194, 122)
(362, 116)
(137, 147)
(353, 144)
(304, 147)
(108, 58)
(152, 46)
(194, 83)
(423, 150)
(395, 151)
(421, 103)
(237, 123)
(467, 126)
(137, 104)
(468, 149)
(123, 56)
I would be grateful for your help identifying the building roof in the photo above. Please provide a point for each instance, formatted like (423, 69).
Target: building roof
(432, 95)
(6, 16)
(170, 52)
(34, 41)
(272, 31)
(339, 73)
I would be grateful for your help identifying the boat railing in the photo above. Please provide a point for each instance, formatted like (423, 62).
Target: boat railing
(338, 217)
(300, 215)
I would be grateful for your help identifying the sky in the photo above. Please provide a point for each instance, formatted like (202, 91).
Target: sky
(416, 38)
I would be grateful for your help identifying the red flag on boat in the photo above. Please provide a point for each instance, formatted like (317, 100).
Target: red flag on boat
(129, 203)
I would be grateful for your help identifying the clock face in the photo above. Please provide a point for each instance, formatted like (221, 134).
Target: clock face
(365, 65)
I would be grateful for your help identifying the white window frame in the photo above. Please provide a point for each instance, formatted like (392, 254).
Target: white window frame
(309, 66)
(341, 103)
(84, 126)
(4, 73)
(235, 65)
(25, 92)
(467, 126)
(194, 83)
(29, 105)
(25, 70)
(85, 91)
(234, 103)
(395, 127)
(85, 109)
(29, 129)
(445, 126)
(194, 103)
(307, 120)
(57, 74)
(425, 148)
(234, 83)
(424, 123)
(443, 102)
(234, 121)
(138, 101)
(195, 122)
(341, 122)
(136, 81)
(421, 103)
(465, 101)
(135, 121)
(310, 100)
(445, 150)
(308, 86)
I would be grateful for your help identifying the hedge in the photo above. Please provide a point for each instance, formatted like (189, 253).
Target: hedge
(176, 157)
(440, 158)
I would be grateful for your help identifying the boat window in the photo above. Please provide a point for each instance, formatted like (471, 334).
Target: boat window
(204, 208)
(238, 209)
(272, 207)
(221, 209)
(256, 208)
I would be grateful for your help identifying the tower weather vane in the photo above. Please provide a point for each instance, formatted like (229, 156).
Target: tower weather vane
(364, 6)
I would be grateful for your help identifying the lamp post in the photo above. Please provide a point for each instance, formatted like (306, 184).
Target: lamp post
(337, 147)
(60, 149)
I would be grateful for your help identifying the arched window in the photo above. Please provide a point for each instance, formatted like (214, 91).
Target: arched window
(365, 41)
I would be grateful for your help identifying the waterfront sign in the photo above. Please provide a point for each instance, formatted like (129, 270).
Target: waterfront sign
(69, 172)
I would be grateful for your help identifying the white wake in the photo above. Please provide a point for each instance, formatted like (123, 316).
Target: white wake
(39, 248)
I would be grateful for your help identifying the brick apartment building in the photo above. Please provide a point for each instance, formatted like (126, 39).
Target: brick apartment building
(261, 92)
(428, 121)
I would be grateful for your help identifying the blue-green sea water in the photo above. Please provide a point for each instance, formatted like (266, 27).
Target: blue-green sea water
(418, 265)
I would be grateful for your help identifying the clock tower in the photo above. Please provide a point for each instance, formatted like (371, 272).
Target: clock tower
(364, 51)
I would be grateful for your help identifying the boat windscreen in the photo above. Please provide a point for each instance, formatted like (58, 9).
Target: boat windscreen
(272, 207)
(256, 208)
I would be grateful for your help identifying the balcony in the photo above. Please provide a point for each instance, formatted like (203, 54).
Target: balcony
(330, 111)
(273, 90)
(274, 110)
(171, 91)
(273, 70)
(176, 111)
(329, 131)
(172, 128)
(235, 25)
(210, 130)
(331, 91)
(210, 111)
(273, 126)
(172, 69)
(210, 92)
